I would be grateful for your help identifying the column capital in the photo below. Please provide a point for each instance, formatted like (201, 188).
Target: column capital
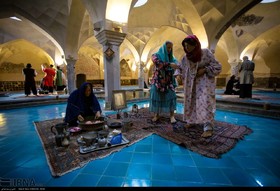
(110, 37)
(70, 60)
(234, 62)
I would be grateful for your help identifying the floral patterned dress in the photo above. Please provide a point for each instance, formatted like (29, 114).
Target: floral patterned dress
(199, 92)
(163, 97)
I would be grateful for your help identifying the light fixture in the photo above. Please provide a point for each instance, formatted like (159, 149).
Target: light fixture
(133, 67)
(117, 10)
(140, 3)
(15, 18)
(268, 1)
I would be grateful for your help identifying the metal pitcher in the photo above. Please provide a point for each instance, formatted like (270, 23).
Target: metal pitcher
(60, 128)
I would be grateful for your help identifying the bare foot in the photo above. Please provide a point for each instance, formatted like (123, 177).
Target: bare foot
(155, 118)
(172, 119)
(206, 134)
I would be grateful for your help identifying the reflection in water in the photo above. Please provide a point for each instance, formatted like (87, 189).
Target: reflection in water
(130, 94)
(3, 125)
(136, 94)
(3, 120)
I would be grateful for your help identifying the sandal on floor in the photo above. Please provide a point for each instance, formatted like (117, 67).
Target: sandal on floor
(207, 134)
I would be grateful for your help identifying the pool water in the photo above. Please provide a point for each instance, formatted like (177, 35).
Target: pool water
(253, 162)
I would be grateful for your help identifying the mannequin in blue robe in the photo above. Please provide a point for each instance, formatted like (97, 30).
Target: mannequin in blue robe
(82, 103)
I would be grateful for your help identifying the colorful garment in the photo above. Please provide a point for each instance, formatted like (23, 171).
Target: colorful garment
(60, 80)
(49, 76)
(200, 102)
(48, 80)
(162, 93)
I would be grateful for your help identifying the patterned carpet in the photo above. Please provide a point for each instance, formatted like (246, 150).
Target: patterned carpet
(65, 159)
(225, 135)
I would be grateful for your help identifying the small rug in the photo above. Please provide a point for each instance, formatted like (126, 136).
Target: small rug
(224, 138)
(62, 160)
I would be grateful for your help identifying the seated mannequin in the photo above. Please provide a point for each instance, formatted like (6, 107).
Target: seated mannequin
(231, 85)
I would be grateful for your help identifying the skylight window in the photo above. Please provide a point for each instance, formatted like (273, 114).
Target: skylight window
(140, 3)
(268, 1)
(15, 18)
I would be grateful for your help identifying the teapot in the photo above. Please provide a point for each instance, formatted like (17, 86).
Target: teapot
(102, 141)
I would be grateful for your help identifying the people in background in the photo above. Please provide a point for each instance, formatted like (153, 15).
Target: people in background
(198, 69)
(82, 103)
(60, 79)
(162, 93)
(232, 86)
(29, 82)
(48, 80)
(246, 77)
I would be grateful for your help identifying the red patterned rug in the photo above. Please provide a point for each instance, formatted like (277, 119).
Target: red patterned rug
(225, 136)
(62, 160)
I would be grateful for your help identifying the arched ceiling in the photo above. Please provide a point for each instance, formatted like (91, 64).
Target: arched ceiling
(249, 30)
(69, 23)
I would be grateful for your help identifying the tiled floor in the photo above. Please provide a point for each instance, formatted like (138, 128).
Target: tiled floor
(152, 162)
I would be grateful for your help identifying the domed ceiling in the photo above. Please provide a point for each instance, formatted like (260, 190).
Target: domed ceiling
(231, 28)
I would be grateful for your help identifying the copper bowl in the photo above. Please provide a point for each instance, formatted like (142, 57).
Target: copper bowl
(103, 133)
(89, 125)
(113, 123)
(89, 138)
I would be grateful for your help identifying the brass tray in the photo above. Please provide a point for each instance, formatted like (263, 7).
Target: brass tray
(95, 147)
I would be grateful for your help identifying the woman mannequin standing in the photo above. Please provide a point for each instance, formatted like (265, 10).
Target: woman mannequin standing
(198, 69)
(162, 94)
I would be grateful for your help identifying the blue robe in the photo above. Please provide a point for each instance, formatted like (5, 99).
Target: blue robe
(78, 104)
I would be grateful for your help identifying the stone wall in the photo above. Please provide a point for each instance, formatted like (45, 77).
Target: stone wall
(265, 82)
(10, 86)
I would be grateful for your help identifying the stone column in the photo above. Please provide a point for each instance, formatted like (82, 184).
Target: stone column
(234, 67)
(71, 75)
(141, 75)
(141, 79)
(111, 41)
